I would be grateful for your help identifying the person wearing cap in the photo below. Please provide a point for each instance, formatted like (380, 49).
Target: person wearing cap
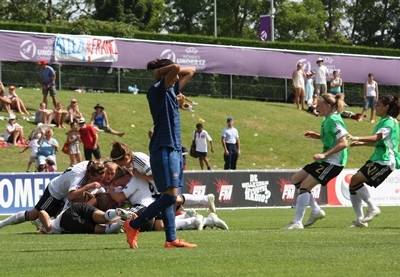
(5, 102)
(321, 72)
(47, 80)
(16, 102)
(100, 121)
(231, 144)
(15, 132)
(73, 111)
(90, 140)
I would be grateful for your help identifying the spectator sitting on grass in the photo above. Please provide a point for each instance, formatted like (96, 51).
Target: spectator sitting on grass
(16, 102)
(43, 115)
(100, 121)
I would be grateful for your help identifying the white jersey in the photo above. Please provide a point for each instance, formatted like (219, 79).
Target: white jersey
(141, 162)
(72, 179)
(139, 191)
(55, 225)
(201, 140)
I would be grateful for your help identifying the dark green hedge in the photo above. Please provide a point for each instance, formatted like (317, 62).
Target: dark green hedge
(127, 32)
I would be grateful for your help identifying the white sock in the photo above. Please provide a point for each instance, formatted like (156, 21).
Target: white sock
(110, 215)
(195, 200)
(363, 192)
(315, 208)
(113, 228)
(14, 219)
(182, 216)
(356, 201)
(184, 223)
(301, 205)
(207, 221)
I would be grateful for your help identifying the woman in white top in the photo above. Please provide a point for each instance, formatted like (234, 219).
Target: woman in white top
(200, 137)
(298, 84)
(371, 93)
(15, 132)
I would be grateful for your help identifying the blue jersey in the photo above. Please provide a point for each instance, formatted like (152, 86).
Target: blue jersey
(98, 119)
(164, 109)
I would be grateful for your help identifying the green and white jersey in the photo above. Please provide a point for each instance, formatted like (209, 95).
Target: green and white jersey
(386, 150)
(332, 129)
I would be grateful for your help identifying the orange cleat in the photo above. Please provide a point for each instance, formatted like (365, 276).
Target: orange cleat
(179, 243)
(131, 235)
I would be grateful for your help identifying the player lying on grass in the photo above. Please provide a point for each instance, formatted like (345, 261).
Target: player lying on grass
(82, 218)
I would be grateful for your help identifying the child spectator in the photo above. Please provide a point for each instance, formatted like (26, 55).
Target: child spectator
(43, 115)
(33, 144)
(59, 115)
(74, 139)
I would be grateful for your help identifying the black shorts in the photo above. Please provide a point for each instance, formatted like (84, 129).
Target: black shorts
(323, 172)
(96, 153)
(201, 154)
(49, 204)
(139, 209)
(78, 219)
(375, 173)
(104, 128)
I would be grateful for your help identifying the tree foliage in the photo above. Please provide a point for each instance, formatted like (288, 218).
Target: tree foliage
(357, 22)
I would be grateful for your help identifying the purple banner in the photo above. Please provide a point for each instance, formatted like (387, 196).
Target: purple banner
(264, 31)
(213, 59)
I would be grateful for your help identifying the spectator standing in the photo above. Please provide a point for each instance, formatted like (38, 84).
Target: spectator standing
(200, 138)
(34, 145)
(320, 72)
(231, 144)
(371, 93)
(298, 76)
(100, 121)
(74, 139)
(309, 87)
(47, 80)
(15, 132)
(336, 83)
(90, 140)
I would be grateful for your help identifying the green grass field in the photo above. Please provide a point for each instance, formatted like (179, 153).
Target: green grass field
(271, 134)
(255, 245)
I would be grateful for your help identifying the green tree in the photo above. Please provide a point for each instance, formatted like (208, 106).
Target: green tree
(137, 12)
(184, 16)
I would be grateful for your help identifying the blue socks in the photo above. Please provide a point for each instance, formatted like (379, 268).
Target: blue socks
(165, 202)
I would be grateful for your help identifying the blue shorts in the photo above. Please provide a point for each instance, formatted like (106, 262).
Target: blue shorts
(370, 102)
(167, 168)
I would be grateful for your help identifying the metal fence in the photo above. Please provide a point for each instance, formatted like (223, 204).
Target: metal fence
(213, 85)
